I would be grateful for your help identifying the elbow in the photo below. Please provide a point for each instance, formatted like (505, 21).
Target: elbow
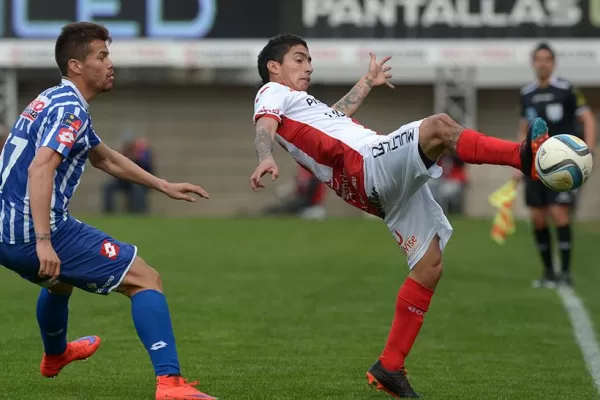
(96, 163)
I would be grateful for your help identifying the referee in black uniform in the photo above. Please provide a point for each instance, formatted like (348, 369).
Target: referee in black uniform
(562, 106)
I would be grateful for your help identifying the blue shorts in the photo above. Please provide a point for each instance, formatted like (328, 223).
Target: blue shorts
(90, 259)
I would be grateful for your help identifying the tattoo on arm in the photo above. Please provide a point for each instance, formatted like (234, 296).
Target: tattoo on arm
(349, 103)
(263, 144)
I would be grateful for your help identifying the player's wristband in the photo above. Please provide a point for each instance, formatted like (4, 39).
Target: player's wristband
(42, 236)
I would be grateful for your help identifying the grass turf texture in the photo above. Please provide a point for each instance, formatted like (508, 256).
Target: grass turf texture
(288, 309)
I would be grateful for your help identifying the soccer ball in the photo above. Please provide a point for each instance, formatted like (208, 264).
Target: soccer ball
(564, 162)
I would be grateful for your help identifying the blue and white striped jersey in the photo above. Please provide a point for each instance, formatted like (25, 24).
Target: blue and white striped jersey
(58, 118)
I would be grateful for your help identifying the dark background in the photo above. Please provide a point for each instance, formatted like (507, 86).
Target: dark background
(264, 18)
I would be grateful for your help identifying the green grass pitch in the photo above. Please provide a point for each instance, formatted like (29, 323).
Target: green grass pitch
(288, 309)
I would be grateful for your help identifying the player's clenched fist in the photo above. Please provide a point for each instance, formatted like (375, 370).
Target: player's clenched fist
(266, 166)
(49, 261)
(181, 191)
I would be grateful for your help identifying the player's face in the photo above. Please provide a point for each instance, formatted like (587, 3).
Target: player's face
(296, 68)
(97, 69)
(543, 64)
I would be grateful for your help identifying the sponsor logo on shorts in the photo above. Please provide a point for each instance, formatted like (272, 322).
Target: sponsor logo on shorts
(109, 250)
(107, 284)
(407, 245)
(394, 143)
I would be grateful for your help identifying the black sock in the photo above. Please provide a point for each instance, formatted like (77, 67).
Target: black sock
(542, 238)
(564, 244)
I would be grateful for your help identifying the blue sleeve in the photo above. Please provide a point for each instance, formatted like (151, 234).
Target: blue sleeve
(65, 125)
(93, 137)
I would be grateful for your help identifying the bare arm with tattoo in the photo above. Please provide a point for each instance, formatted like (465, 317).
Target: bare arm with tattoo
(263, 143)
(377, 75)
(265, 134)
(350, 103)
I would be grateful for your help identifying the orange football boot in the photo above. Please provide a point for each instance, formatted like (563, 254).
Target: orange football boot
(537, 134)
(81, 349)
(173, 387)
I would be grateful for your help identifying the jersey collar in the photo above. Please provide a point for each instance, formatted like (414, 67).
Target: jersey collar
(551, 80)
(68, 82)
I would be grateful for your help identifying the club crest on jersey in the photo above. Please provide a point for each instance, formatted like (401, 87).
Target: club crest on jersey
(109, 250)
(71, 121)
(554, 112)
(66, 137)
(34, 108)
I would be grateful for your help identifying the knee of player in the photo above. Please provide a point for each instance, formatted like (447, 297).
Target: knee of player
(441, 127)
(561, 216)
(435, 265)
(140, 277)
(154, 279)
(158, 278)
(428, 271)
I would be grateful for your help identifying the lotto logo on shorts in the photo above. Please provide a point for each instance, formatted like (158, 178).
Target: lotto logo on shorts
(109, 250)
(66, 137)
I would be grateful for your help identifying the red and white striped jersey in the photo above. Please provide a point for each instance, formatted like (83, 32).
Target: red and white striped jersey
(323, 140)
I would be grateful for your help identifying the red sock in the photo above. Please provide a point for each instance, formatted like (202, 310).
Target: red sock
(476, 148)
(411, 305)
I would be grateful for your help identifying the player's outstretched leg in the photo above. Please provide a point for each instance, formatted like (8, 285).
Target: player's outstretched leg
(388, 373)
(152, 320)
(439, 132)
(53, 316)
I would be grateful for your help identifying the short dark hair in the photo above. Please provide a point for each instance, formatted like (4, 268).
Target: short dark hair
(542, 46)
(74, 42)
(275, 50)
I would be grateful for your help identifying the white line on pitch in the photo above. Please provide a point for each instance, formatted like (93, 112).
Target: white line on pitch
(583, 331)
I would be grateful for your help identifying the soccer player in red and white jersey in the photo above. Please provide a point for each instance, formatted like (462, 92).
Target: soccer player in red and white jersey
(384, 175)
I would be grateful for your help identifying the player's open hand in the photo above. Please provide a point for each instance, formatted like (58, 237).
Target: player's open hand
(183, 191)
(49, 261)
(378, 72)
(266, 166)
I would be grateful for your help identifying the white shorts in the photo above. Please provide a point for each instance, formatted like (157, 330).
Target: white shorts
(395, 179)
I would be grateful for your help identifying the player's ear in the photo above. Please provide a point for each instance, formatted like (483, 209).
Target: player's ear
(75, 66)
(273, 66)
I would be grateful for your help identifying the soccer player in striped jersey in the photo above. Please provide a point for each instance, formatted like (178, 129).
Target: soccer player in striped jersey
(40, 168)
(383, 175)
